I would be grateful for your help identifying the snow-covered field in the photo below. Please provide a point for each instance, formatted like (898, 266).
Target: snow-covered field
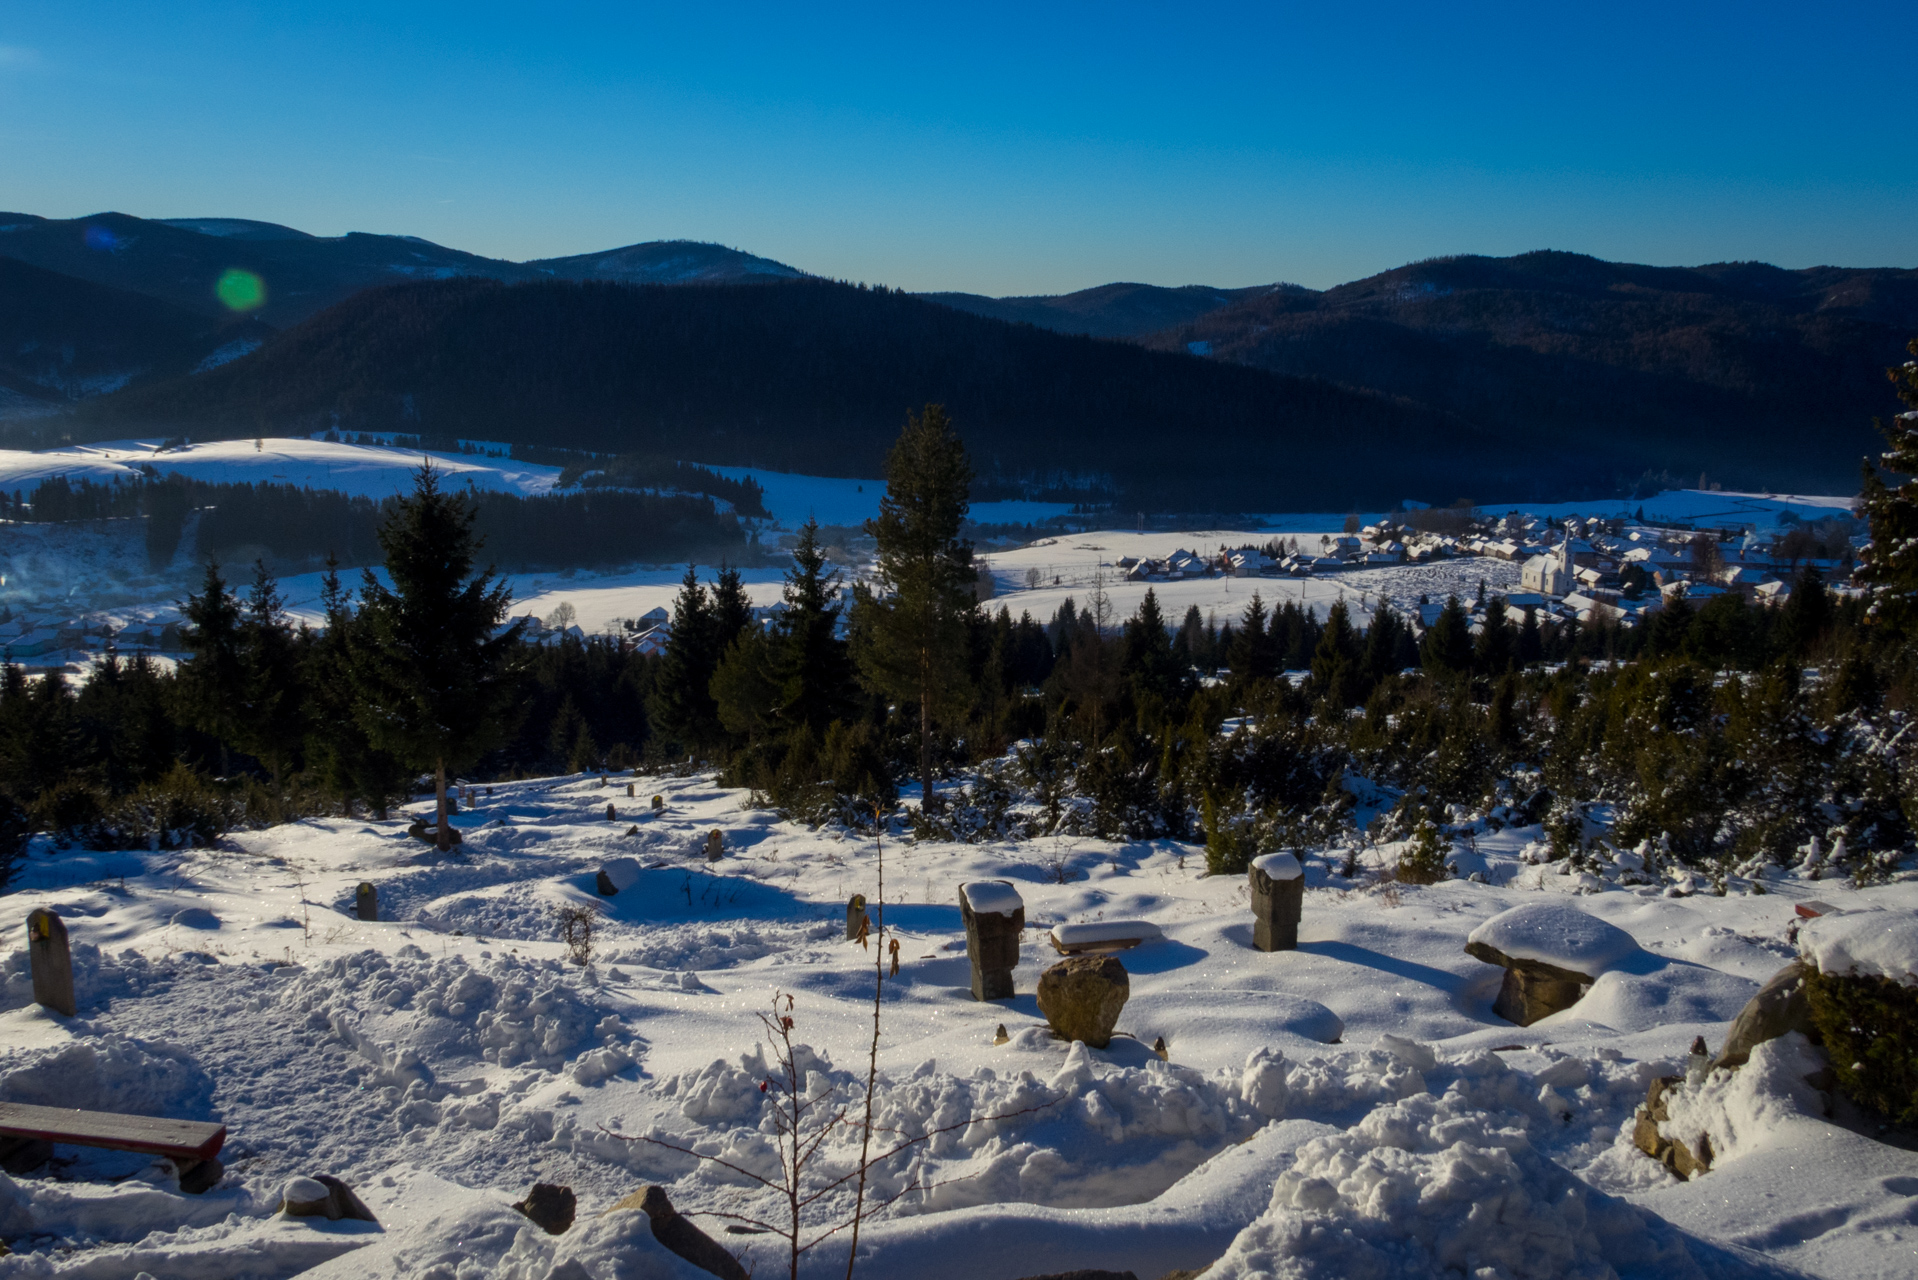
(364, 470)
(1350, 1109)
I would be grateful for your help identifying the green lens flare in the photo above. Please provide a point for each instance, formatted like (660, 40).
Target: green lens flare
(241, 290)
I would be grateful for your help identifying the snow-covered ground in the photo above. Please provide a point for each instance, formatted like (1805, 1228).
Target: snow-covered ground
(1349, 1109)
(372, 471)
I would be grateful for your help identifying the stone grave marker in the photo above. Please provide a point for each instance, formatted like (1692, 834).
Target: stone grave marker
(52, 961)
(715, 845)
(366, 902)
(1278, 897)
(995, 915)
(612, 814)
(659, 803)
(629, 790)
(855, 917)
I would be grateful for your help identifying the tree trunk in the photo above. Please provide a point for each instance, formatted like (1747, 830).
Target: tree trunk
(439, 832)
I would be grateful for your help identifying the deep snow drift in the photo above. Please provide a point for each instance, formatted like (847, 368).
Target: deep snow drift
(1348, 1109)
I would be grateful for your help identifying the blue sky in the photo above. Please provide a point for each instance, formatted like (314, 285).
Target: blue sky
(998, 149)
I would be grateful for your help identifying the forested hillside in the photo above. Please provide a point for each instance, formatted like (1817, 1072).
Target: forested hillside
(1762, 377)
(62, 338)
(816, 377)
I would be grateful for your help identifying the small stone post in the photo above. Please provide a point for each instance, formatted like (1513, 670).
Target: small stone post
(855, 916)
(52, 961)
(1278, 897)
(366, 902)
(715, 845)
(629, 791)
(994, 915)
(659, 803)
(612, 814)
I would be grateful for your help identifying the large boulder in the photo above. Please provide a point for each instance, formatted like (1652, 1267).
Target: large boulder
(1081, 997)
(1551, 954)
(1780, 1006)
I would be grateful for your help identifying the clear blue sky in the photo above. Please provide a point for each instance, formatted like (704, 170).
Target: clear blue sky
(1017, 149)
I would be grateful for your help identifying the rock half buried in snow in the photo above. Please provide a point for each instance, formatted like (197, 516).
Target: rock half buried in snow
(549, 1207)
(1551, 954)
(1780, 1006)
(323, 1196)
(679, 1235)
(1082, 996)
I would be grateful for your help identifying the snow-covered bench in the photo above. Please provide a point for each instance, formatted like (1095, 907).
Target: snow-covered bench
(1102, 937)
(27, 1134)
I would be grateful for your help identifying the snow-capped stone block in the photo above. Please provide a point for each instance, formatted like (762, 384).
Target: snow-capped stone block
(1279, 866)
(1557, 935)
(1276, 883)
(1102, 935)
(1551, 954)
(994, 916)
(992, 897)
(1882, 944)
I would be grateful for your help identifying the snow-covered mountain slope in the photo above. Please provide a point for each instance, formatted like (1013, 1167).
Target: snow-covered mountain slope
(448, 1055)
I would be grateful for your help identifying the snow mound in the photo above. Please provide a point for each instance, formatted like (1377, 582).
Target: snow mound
(1748, 1110)
(107, 1072)
(1435, 1187)
(1558, 935)
(1279, 866)
(1877, 943)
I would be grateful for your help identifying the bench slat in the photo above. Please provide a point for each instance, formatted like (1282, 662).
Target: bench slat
(149, 1135)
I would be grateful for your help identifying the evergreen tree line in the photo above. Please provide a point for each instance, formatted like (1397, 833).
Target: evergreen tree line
(1722, 735)
(294, 529)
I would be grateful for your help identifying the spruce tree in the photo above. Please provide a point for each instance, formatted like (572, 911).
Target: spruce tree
(212, 682)
(273, 721)
(912, 636)
(1148, 662)
(1253, 656)
(1335, 663)
(1447, 650)
(348, 764)
(1889, 565)
(436, 674)
(682, 702)
(812, 669)
(1530, 646)
(732, 608)
(1496, 644)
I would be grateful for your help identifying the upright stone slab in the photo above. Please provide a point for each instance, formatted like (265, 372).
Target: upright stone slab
(52, 961)
(629, 791)
(855, 916)
(995, 915)
(366, 902)
(659, 802)
(715, 845)
(1278, 898)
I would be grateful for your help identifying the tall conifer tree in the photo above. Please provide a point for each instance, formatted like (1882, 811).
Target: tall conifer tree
(436, 673)
(912, 637)
(213, 680)
(682, 703)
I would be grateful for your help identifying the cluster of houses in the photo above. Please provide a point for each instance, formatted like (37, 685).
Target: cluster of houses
(1600, 572)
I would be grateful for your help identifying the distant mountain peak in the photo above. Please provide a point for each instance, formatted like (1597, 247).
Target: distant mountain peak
(667, 262)
(237, 228)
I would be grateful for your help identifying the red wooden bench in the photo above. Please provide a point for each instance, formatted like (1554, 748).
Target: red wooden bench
(27, 1135)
